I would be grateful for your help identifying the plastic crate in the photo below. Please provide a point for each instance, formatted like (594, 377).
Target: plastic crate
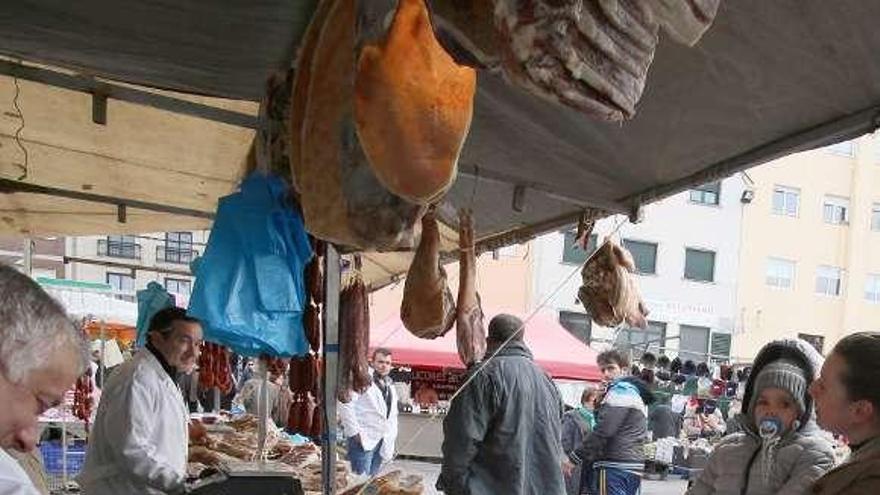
(53, 457)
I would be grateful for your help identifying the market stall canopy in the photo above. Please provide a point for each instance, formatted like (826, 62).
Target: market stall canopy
(555, 350)
(768, 79)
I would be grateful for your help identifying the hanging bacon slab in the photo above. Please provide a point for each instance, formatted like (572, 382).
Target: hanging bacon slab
(591, 55)
(341, 198)
(609, 292)
(428, 307)
(413, 106)
(470, 331)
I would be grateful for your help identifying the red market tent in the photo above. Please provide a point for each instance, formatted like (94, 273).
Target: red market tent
(555, 350)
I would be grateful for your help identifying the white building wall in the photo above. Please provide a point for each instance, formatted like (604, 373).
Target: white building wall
(674, 224)
(87, 247)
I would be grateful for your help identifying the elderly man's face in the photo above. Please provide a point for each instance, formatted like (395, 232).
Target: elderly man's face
(181, 348)
(42, 389)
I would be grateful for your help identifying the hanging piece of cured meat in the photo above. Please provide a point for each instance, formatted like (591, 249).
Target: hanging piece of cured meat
(428, 306)
(413, 106)
(354, 337)
(82, 397)
(470, 332)
(214, 370)
(591, 55)
(609, 292)
(341, 198)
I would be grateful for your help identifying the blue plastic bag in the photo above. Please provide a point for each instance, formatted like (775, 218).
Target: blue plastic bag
(150, 301)
(250, 286)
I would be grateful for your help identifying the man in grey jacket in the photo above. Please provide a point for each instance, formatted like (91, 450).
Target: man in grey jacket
(503, 430)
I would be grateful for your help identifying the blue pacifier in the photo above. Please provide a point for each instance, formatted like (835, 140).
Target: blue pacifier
(770, 426)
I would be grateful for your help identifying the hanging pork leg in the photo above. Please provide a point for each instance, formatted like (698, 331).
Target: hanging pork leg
(428, 307)
(470, 333)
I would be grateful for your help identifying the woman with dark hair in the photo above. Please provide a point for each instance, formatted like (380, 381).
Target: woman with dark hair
(847, 398)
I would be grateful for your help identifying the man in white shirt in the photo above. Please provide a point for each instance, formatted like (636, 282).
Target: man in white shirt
(140, 436)
(369, 420)
(41, 355)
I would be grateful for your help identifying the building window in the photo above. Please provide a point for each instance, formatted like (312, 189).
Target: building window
(699, 265)
(640, 341)
(817, 341)
(572, 253)
(872, 288)
(829, 280)
(786, 201)
(707, 194)
(835, 210)
(178, 286)
(720, 347)
(578, 324)
(177, 248)
(119, 246)
(780, 273)
(644, 254)
(693, 343)
(875, 216)
(845, 148)
(122, 285)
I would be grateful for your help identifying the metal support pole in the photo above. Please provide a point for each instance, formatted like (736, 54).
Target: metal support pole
(102, 367)
(332, 282)
(28, 257)
(262, 410)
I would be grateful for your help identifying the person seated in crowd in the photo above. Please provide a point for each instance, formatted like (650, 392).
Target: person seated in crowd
(780, 450)
(847, 397)
(703, 419)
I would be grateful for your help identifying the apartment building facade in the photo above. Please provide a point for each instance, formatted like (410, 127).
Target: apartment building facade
(686, 251)
(129, 262)
(810, 264)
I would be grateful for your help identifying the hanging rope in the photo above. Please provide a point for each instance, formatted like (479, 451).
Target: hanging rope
(18, 131)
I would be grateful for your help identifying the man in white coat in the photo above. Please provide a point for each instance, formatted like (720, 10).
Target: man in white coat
(369, 420)
(140, 437)
(41, 355)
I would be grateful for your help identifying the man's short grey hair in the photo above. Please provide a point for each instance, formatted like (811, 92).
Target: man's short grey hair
(32, 327)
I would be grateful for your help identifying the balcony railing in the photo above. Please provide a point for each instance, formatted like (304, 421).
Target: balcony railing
(127, 250)
(175, 255)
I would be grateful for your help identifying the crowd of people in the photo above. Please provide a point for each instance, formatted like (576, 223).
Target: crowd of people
(506, 430)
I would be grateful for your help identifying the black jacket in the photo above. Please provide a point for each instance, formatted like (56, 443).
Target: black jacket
(502, 434)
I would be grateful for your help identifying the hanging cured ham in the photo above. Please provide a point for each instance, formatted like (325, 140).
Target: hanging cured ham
(341, 198)
(591, 55)
(428, 307)
(470, 331)
(413, 106)
(609, 291)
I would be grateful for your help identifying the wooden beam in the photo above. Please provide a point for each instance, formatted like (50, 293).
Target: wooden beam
(8, 186)
(106, 90)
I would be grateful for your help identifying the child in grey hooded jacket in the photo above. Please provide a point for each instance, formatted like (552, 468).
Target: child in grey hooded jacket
(780, 450)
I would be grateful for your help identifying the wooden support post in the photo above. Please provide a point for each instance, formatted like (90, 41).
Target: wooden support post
(330, 351)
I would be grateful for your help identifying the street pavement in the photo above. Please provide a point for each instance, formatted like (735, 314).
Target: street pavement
(430, 471)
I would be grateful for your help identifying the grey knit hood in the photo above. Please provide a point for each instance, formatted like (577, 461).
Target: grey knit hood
(793, 351)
